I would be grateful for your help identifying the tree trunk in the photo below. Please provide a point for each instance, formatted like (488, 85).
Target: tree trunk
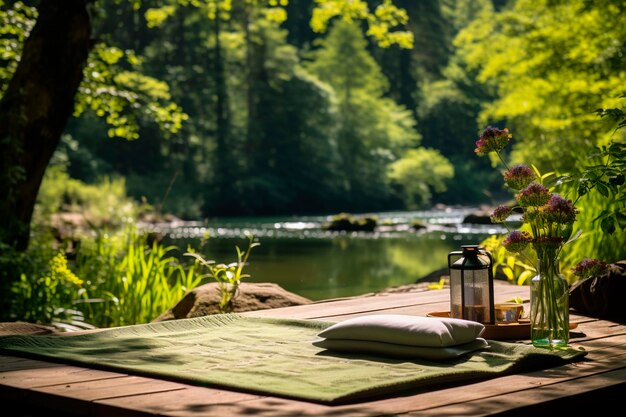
(224, 161)
(36, 107)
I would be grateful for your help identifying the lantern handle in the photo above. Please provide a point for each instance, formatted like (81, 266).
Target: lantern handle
(457, 253)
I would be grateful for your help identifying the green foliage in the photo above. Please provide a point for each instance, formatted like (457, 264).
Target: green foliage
(595, 242)
(418, 172)
(295, 166)
(343, 61)
(98, 205)
(258, 134)
(617, 115)
(227, 276)
(373, 130)
(550, 63)
(43, 285)
(607, 177)
(157, 15)
(47, 295)
(514, 267)
(109, 89)
(438, 285)
(114, 93)
(129, 279)
(600, 201)
(117, 279)
(450, 99)
(381, 20)
(16, 22)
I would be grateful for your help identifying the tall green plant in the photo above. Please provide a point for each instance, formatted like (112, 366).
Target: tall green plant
(46, 293)
(228, 277)
(130, 280)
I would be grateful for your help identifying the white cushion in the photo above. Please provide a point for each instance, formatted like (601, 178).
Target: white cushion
(400, 351)
(406, 330)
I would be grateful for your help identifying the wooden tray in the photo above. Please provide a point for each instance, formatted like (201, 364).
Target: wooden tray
(502, 331)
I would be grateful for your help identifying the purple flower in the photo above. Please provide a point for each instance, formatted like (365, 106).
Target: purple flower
(559, 210)
(590, 268)
(519, 176)
(534, 195)
(500, 214)
(492, 140)
(549, 217)
(517, 241)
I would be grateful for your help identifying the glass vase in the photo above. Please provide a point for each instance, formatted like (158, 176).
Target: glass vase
(549, 306)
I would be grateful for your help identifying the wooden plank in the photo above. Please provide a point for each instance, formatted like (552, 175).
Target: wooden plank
(598, 329)
(122, 385)
(13, 363)
(54, 375)
(380, 303)
(42, 404)
(82, 398)
(556, 398)
(194, 401)
(362, 305)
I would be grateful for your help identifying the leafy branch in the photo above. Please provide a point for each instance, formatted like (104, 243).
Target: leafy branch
(618, 115)
(608, 179)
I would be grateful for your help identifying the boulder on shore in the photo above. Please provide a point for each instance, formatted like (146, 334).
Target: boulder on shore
(204, 300)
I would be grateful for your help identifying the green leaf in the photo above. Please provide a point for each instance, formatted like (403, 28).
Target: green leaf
(437, 286)
(510, 261)
(576, 236)
(516, 300)
(156, 16)
(621, 220)
(603, 189)
(524, 276)
(608, 225)
(508, 272)
(602, 215)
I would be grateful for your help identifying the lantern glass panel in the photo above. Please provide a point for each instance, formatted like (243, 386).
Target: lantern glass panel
(471, 285)
(469, 295)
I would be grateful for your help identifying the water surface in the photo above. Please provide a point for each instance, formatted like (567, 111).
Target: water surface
(298, 255)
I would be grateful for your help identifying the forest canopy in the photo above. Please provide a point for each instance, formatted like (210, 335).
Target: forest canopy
(219, 107)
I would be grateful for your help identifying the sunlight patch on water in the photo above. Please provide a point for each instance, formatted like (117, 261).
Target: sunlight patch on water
(391, 224)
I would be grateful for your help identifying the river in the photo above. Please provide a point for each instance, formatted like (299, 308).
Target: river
(301, 257)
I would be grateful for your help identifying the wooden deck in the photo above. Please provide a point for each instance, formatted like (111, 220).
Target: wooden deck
(43, 388)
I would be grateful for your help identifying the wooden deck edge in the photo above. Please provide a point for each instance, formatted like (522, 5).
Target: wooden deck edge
(605, 390)
(33, 403)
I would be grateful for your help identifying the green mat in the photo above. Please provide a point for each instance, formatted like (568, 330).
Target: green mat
(270, 356)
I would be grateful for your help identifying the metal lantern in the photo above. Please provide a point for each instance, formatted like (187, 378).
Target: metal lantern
(471, 284)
